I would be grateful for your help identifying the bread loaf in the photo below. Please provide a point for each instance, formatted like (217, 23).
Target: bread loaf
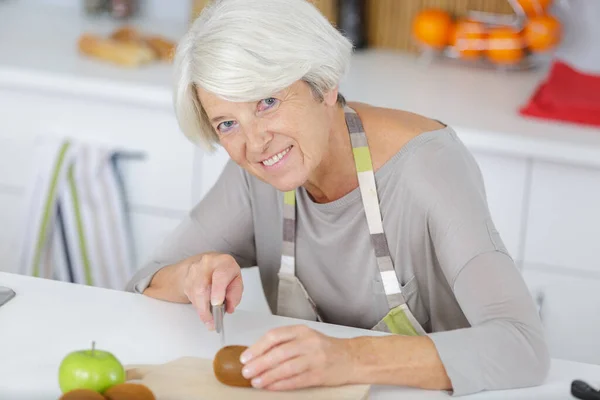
(127, 54)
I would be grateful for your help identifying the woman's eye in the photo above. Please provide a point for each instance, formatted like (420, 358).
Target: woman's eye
(267, 103)
(226, 126)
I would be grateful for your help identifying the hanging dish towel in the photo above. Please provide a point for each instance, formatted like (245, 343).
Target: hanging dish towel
(76, 224)
(567, 95)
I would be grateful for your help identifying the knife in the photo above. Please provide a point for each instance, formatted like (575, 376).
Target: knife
(218, 313)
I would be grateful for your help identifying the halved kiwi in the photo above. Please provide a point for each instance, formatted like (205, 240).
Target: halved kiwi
(228, 367)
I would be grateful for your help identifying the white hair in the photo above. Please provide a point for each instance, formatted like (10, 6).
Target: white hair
(247, 50)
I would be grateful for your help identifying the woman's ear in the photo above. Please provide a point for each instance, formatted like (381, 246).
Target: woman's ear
(331, 96)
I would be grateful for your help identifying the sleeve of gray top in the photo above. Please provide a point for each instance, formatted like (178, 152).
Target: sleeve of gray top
(504, 347)
(221, 222)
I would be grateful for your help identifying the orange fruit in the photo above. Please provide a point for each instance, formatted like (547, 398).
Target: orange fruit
(534, 7)
(505, 45)
(542, 32)
(468, 38)
(432, 27)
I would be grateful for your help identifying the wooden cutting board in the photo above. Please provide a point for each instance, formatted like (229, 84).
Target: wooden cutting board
(192, 378)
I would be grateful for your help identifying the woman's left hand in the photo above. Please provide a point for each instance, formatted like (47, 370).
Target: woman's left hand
(298, 357)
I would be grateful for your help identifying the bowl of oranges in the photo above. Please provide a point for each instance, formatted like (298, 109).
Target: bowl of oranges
(512, 42)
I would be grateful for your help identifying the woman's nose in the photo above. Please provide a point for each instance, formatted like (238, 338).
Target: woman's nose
(258, 139)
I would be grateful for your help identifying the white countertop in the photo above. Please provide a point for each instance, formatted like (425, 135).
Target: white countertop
(38, 51)
(48, 319)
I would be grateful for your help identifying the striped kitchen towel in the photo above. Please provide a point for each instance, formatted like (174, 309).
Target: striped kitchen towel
(76, 225)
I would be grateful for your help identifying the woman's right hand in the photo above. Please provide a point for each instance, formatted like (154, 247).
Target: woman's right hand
(213, 279)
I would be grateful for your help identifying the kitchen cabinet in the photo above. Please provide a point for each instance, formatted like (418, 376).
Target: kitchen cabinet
(563, 221)
(506, 180)
(568, 306)
(161, 179)
(540, 278)
(149, 231)
(157, 184)
(207, 169)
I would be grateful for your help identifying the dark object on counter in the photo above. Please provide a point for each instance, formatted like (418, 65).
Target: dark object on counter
(95, 6)
(582, 390)
(352, 21)
(123, 8)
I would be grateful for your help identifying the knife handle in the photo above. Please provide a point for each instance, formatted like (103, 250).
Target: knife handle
(584, 391)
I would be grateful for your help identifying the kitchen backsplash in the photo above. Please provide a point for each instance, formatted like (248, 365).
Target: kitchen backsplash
(162, 9)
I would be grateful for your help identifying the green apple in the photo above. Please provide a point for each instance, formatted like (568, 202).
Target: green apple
(90, 369)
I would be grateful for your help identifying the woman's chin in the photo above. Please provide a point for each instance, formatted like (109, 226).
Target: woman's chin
(286, 183)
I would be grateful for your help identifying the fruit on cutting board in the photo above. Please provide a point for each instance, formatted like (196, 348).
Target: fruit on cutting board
(82, 394)
(432, 27)
(92, 369)
(468, 37)
(505, 45)
(129, 391)
(542, 32)
(535, 7)
(228, 367)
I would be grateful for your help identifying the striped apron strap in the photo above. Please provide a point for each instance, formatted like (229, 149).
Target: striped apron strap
(368, 191)
(288, 253)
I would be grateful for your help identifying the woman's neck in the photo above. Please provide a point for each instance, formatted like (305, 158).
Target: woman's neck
(336, 175)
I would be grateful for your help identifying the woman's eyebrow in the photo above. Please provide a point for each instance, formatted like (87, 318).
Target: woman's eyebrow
(217, 119)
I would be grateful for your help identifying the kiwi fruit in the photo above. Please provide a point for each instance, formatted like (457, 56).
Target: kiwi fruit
(228, 367)
(82, 394)
(129, 391)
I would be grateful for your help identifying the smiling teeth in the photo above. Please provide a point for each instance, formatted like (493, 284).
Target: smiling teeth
(276, 157)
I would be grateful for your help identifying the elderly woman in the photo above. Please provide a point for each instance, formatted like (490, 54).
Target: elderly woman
(355, 215)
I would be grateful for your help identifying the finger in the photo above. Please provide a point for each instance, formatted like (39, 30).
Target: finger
(203, 306)
(198, 288)
(303, 380)
(273, 358)
(222, 276)
(271, 339)
(234, 293)
(282, 371)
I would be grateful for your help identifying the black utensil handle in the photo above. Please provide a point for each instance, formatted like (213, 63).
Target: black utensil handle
(584, 391)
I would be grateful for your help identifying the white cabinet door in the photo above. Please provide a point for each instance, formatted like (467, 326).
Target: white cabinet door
(207, 169)
(506, 186)
(569, 305)
(160, 180)
(564, 217)
(158, 186)
(150, 231)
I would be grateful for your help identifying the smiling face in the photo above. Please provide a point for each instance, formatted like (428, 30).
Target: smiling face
(281, 139)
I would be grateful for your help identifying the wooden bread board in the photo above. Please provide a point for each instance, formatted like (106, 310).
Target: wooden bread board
(192, 378)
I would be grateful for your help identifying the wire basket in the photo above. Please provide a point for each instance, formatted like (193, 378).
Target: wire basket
(482, 49)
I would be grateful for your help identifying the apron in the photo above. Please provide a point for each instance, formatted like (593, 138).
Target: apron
(292, 298)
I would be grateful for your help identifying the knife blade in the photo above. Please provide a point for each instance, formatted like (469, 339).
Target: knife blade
(218, 313)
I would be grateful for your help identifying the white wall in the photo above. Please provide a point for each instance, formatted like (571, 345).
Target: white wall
(581, 44)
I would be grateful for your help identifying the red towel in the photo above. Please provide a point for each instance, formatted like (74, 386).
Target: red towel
(568, 95)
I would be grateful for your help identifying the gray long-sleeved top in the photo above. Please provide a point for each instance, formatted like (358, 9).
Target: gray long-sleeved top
(459, 280)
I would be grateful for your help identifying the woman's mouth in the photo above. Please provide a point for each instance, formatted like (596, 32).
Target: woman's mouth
(272, 161)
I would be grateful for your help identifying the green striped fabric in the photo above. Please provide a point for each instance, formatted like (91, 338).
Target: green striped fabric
(83, 246)
(48, 204)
